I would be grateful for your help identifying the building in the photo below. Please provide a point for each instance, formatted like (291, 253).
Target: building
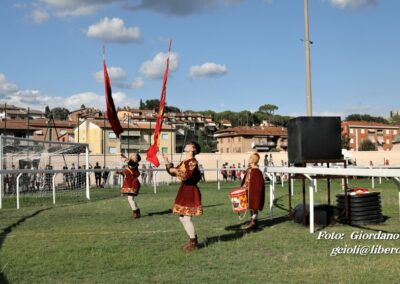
(244, 139)
(38, 129)
(137, 137)
(12, 112)
(189, 125)
(382, 135)
(85, 113)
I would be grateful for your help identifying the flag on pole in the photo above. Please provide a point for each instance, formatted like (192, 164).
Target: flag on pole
(153, 149)
(110, 107)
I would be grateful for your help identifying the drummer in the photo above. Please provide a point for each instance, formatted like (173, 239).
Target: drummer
(253, 183)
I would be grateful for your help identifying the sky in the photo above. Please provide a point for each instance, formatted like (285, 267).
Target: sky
(226, 54)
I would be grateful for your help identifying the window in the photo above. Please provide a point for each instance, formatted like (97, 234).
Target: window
(164, 150)
(351, 140)
(387, 131)
(387, 141)
(227, 150)
(112, 135)
(164, 136)
(395, 132)
(362, 131)
(222, 150)
(351, 130)
(112, 150)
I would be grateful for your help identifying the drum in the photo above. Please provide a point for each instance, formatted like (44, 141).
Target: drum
(238, 198)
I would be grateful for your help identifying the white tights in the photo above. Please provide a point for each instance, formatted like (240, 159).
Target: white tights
(254, 214)
(188, 225)
(132, 202)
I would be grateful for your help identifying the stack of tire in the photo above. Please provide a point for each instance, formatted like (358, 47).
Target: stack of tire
(363, 208)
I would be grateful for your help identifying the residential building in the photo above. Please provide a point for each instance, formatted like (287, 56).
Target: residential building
(244, 139)
(382, 135)
(38, 129)
(85, 113)
(189, 125)
(12, 112)
(137, 137)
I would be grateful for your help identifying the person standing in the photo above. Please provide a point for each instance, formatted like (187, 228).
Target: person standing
(224, 173)
(203, 178)
(150, 174)
(188, 200)
(253, 182)
(73, 175)
(106, 173)
(97, 174)
(131, 185)
(143, 173)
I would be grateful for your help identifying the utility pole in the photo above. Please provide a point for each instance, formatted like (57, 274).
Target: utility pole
(308, 63)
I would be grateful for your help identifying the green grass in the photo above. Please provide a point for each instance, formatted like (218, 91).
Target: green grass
(98, 242)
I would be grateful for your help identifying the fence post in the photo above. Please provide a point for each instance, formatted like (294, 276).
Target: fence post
(316, 185)
(54, 188)
(271, 194)
(17, 181)
(87, 173)
(291, 185)
(311, 190)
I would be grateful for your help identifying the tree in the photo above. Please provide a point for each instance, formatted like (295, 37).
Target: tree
(47, 112)
(268, 109)
(60, 113)
(280, 120)
(366, 117)
(142, 105)
(367, 145)
(83, 106)
(152, 104)
(172, 109)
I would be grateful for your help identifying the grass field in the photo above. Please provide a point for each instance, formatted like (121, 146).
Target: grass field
(98, 242)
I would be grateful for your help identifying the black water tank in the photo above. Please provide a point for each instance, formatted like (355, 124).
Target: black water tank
(314, 138)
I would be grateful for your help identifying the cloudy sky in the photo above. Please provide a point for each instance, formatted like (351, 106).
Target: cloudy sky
(227, 54)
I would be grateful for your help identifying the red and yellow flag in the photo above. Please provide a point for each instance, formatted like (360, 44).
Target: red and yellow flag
(153, 149)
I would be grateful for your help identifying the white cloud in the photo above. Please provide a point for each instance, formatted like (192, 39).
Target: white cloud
(155, 67)
(116, 74)
(39, 16)
(11, 94)
(113, 30)
(5, 86)
(343, 4)
(137, 83)
(118, 78)
(208, 69)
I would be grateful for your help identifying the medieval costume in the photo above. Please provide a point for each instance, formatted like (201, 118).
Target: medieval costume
(253, 182)
(131, 184)
(188, 199)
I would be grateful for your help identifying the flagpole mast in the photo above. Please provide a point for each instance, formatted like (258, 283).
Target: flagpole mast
(308, 61)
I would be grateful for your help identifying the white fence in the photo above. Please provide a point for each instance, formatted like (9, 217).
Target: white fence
(310, 172)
